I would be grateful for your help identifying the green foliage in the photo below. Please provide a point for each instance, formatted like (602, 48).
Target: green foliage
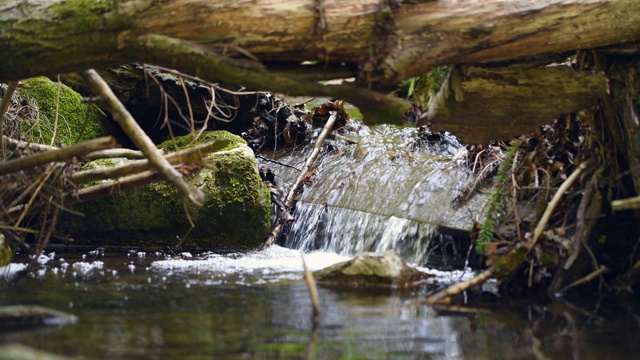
(63, 117)
(602, 239)
(427, 85)
(497, 199)
(6, 252)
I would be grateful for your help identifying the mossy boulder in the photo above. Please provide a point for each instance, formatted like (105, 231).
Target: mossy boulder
(374, 271)
(63, 116)
(236, 214)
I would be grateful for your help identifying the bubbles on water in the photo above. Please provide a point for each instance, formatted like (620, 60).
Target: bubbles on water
(84, 268)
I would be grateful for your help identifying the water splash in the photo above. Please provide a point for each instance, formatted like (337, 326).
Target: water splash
(391, 191)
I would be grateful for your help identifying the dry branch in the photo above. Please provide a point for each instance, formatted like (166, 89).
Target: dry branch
(305, 173)
(113, 187)
(14, 144)
(115, 153)
(510, 261)
(4, 106)
(191, 155)
(139, 138)
(63, 154)
(311, 286)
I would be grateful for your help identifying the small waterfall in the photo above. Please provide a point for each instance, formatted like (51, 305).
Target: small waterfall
(391, 191)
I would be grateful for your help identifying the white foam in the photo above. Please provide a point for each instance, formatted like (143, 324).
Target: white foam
(10, 270)
(275, 259)
(86, 267)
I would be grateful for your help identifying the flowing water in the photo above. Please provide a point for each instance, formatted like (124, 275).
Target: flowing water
(391, 191)
(139, 305)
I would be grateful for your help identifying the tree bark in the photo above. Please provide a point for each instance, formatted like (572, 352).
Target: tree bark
(386, 41)
(480, 104)
(390, 42)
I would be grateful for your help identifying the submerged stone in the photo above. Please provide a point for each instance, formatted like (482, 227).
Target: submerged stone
(371, 270)
(22, 316)
(235, 216)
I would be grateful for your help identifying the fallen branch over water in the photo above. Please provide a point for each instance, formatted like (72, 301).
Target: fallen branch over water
(509, 262)
(304, 176)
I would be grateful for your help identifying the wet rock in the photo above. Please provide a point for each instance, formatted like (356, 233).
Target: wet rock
(22, 316)
(371, 270)
(236, 214)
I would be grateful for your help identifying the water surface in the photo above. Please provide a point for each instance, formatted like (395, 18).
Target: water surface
(137, 305)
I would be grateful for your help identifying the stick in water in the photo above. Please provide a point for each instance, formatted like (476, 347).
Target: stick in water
(313, 291)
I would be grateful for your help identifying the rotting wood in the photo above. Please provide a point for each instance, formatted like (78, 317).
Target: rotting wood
(139, 138)
(509, 101)
(386, 41)
(63, 154)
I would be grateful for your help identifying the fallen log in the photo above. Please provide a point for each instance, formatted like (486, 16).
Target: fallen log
(480, 103)
(386, 41)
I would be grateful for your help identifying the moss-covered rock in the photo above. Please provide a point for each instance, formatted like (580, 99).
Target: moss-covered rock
(63, 116)
(236, 214)
(371, 270)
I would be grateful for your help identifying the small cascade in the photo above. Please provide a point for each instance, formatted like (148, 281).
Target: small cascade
(391, 191)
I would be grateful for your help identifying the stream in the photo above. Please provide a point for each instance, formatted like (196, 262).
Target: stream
(140, 305)
(390, 191)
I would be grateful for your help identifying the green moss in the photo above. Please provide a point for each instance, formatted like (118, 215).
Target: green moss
(497, 199)
(6, 252)
(427, 85)
(236, 214)
(63, 117)
(182, 142)
(80, 15)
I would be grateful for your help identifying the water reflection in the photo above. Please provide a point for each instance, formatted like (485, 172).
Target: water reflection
(255, 306)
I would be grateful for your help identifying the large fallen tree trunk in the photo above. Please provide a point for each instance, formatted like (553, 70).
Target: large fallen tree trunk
(381, 42)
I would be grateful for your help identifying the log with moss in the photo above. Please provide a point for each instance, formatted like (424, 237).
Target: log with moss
(247, 43)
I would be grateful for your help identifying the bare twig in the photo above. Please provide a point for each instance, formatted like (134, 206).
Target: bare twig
(56, 155)
(14, 144)
(277, 229)
(139, 138)
(632, 203)
(113, 187)
(554, 202)
(313, 290)
(314, 154)
(450, 291)
(511, 260)
(115, 153)
(4, 106)
(190, 155)
(585, 279)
